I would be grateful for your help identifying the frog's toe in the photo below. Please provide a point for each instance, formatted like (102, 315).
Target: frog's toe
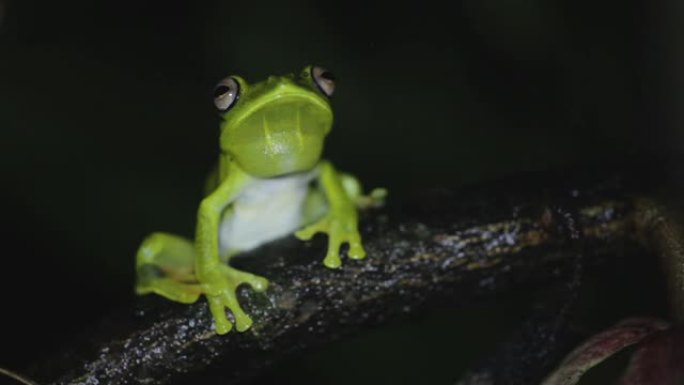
(259, 284)
(332, 261)
(379, 195)
(332, 258)
(306, 233)
(356, 251)
(242, 320)
(217, 308)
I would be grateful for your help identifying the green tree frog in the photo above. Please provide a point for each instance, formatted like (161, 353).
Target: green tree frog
(270, 182)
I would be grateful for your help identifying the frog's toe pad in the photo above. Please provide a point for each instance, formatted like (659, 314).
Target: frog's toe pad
(306, 233)
(259, 284)
(243, 323)
(332, 261)
(356, 251)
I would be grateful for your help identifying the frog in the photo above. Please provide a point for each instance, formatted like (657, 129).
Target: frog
(270, 182)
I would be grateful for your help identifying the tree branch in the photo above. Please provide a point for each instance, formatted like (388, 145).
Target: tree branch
(477, 241)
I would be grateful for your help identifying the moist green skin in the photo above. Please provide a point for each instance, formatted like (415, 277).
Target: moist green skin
(275, 132)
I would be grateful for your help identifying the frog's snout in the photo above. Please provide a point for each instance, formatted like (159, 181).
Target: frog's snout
(280, 82)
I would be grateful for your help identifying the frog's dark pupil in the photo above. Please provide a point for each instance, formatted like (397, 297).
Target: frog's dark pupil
(328, 75)
(221, 90)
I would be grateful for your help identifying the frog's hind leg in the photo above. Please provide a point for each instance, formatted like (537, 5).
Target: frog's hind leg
(165, 266)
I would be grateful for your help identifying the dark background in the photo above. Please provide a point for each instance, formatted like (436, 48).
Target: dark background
(108, 130)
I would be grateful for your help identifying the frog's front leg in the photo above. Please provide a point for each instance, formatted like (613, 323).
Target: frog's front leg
(218, 280)
(340, 222)
(165, 266)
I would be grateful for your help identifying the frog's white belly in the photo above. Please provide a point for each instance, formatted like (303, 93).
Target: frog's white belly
(266, 209)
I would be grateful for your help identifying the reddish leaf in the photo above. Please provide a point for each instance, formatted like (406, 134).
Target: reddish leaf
(659, 360)
(602, 346)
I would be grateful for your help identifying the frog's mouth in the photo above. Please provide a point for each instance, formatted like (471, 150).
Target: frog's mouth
(282, 136)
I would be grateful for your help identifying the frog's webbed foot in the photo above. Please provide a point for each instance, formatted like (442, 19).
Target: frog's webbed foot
(220, 284)
(341, 226)
(164, 266)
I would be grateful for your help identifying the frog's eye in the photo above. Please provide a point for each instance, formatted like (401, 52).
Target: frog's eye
(324, 79)
(226, 94)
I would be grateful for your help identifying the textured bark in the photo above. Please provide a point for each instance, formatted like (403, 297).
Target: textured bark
(460, 245)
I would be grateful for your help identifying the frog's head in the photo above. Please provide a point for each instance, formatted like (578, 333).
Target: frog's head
(276, 126)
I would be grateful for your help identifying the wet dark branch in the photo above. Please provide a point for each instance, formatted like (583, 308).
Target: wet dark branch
(459, 245)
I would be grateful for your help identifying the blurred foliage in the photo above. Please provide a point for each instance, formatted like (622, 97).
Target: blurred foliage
(107, 128)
